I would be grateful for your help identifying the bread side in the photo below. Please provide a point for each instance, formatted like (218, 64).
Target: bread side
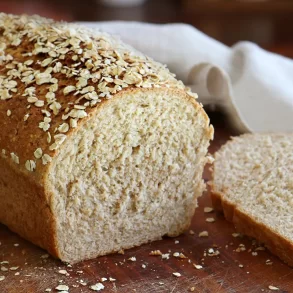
(72, 104)
(256, 194)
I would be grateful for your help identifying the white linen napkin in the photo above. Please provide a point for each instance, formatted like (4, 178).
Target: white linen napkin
(253, 87)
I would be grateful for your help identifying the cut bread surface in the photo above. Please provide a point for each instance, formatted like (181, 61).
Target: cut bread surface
(130, 175)
(252, 182)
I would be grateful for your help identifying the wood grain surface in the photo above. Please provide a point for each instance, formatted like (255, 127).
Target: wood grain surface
(30, 270)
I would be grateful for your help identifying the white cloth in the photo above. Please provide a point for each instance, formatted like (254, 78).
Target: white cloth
(253, 87)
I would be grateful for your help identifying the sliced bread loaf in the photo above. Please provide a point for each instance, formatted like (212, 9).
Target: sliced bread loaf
(102, 149)
(252, 183)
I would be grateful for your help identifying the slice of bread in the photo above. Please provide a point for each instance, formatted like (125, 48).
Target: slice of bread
(252, 183)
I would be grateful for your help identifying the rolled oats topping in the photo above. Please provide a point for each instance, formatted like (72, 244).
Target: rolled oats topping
(57, 72)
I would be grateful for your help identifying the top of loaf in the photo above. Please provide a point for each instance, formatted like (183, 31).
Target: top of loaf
(52, 74)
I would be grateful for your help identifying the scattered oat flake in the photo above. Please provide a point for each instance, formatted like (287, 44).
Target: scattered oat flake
(48, 290)
(261, 248)
(210, 220)
(133, 258)
(13, 268)
(177, 275)
(62, 272)
(97, 287)
(273, 288)
(2, 278)
(203, 234)
(208, 209)
(198, 267)
(104, 279)
(62, 288)
(112, 279)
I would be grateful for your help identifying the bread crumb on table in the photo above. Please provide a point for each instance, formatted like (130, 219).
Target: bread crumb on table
(97, 287)
(177, 275)
(210, 220)
(62, 288)
(155, 253)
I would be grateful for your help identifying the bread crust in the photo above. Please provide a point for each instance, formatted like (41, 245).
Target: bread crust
(277, 244)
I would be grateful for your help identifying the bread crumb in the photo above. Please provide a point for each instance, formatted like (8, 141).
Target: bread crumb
(143, 266)
(112, 279)
(254, 253)
(179, 254)
(16, 244)
(191, 232)
(176, 241)
(210, 220)
(104, 279)
(208, 209)
(2, 278)
(97, 287)
(121, 251)
(273, 288)
(241, 266)
(155, 252)
(133, 258)
(48, 290)
(63, 272)
(236, 235)
(62, 288)
(166, 256)
(177, 275)
(203, 234)
(192, 289)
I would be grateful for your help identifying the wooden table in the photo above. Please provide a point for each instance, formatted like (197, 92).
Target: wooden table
(234, 269)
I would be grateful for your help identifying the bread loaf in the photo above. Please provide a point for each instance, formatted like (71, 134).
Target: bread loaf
(102, 149)
(252, 184)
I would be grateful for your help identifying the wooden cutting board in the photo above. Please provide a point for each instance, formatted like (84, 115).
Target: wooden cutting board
(229, 264)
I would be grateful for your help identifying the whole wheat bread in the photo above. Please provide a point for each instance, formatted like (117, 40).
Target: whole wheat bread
(252, 183)
(102, 149)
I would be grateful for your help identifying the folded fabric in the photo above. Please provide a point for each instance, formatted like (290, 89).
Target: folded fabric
(253, 87)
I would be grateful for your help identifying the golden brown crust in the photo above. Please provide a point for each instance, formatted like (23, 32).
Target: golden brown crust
(277, 244)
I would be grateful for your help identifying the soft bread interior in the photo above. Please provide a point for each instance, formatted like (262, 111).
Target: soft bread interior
(254, 173)
(130, 174)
